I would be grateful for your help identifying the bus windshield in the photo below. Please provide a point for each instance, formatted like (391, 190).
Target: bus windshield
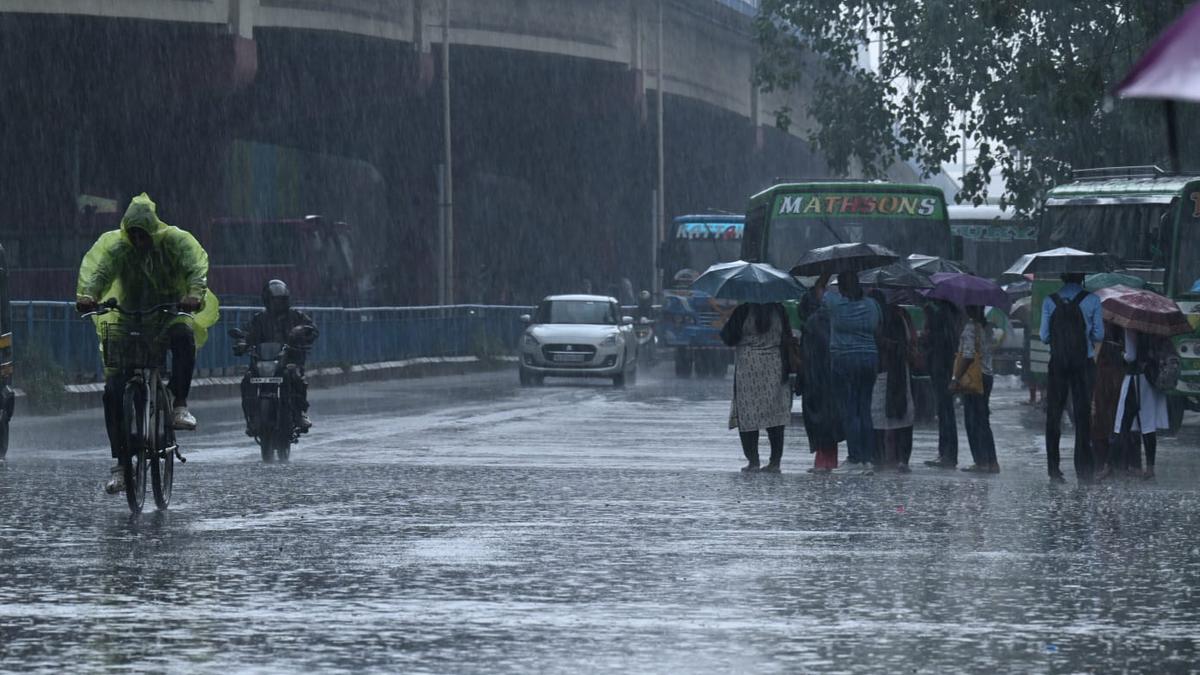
(1136, 234)
(696, 246)
(799, 220)
(790, 238)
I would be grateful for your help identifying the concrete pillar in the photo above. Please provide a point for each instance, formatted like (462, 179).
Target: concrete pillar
(241, 18)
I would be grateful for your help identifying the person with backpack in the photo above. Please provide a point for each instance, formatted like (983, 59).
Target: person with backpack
(1143, 402)
(1072, 324)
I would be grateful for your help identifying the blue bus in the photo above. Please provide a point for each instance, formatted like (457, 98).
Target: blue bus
(691, 322)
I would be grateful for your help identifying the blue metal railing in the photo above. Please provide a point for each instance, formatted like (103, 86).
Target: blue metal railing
(348, 336)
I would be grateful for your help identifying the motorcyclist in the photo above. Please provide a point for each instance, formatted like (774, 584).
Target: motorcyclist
(143, 264)
(279, 323)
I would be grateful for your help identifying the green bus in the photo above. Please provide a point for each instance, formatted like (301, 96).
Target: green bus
(787, 220)
(1147, 223)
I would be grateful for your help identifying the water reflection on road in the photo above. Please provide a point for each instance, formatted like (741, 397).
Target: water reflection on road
(462, 524)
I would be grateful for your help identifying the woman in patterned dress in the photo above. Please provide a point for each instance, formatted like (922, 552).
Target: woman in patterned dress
(762, 397)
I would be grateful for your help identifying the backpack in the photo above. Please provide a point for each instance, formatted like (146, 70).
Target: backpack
(1162, 366)
(1068, 333)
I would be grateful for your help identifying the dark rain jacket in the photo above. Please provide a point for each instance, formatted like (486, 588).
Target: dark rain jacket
(266, 327)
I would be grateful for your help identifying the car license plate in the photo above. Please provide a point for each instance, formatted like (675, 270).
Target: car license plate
(570, 358)
(266, 380)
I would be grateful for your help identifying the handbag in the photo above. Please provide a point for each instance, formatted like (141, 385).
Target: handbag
(971, 381)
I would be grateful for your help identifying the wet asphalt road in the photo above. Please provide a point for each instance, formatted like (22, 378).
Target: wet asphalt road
(460, 524)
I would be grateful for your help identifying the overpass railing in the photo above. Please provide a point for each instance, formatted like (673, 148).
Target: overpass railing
(349, 336)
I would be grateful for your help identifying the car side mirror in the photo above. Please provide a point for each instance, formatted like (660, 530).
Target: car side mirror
(645, 321)
(526, 319)
(237, 333)
(627, 321)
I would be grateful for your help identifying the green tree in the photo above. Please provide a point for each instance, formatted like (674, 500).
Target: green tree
(1027, 81)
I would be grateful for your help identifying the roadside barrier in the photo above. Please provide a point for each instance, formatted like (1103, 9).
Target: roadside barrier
(349, 336)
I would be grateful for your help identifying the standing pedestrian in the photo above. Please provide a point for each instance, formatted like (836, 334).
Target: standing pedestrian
(1106, 395)
(822, 423)
(1143, 407)
(975, 345)
(891, 399)
(853, 322)
(939, 341)
(762, 396)
(1072, 323)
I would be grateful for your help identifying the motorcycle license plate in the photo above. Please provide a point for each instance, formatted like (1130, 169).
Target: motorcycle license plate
(266, 380)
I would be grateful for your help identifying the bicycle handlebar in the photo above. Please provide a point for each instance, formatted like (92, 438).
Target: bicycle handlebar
(112, 306)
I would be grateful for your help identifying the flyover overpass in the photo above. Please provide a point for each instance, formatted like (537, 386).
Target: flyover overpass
(709, 54)
(275, 109)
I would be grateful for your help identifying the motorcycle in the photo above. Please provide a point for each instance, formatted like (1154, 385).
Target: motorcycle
(647, 340)
(271, 376)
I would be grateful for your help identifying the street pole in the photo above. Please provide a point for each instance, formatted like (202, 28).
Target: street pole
(661, 202)
(447, 166)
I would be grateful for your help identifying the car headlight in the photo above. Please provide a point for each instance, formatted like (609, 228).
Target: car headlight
(530, 341)
(612, 341)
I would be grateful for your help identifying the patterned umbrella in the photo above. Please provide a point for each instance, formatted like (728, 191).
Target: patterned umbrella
(854, 257)
(1143, 311)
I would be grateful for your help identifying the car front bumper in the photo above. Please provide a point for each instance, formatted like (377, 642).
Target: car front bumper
(606, 362)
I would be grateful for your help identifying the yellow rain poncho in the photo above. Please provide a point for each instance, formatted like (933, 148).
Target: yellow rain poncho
(176, 266)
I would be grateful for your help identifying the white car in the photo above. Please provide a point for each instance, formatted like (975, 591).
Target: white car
(578, 336)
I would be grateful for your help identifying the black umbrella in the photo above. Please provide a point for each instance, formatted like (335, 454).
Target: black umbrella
(932, 264)
(843, 258)
(896, 275)
(748, 282)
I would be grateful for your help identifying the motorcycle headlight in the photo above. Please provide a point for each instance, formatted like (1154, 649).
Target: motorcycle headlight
(267, 368)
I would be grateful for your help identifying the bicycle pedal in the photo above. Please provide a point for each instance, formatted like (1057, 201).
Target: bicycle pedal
(179, 456)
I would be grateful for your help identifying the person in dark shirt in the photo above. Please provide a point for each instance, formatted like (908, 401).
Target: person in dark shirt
(279, 323)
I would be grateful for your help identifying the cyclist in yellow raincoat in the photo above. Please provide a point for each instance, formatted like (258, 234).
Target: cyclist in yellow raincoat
(143, 264)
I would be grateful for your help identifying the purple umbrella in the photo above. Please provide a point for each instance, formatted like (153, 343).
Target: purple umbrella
(1169, 70)
(968, 289)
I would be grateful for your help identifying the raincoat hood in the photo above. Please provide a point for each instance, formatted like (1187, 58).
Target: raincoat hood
(142, 214)
(176, 266)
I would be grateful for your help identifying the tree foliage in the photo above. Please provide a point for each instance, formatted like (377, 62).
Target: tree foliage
(1027, 81)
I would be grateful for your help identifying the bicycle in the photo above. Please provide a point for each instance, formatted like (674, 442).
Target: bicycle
(138, 353)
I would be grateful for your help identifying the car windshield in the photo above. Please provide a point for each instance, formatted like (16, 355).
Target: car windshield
(790, 238)
(577, 312)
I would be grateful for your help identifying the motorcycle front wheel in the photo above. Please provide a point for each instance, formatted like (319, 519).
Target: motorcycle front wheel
(266, 429)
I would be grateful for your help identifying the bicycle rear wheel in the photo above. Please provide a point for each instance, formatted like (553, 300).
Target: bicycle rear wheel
(162, 462)
(135, 427)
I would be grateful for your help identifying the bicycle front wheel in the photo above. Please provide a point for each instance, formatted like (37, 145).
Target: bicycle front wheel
(162, 458)
(133, 461)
